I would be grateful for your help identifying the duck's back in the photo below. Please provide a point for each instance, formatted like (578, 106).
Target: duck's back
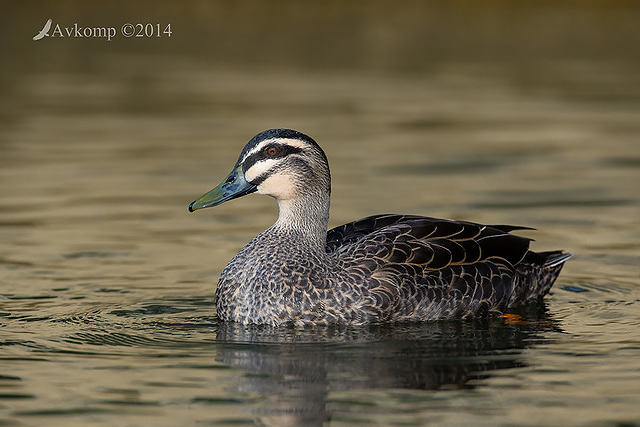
(420, 268)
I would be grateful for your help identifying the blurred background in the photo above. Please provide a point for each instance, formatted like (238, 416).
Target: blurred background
(493, 111)
(498, 111)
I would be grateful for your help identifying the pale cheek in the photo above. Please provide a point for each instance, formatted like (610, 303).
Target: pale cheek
(279, 186)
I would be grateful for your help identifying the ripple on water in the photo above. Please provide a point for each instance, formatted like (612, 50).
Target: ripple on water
(595, 310)
(94, 254)
(169, 323)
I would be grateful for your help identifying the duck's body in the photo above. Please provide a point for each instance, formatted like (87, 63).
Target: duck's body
(385, 268)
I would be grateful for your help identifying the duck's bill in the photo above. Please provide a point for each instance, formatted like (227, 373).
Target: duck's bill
(234, 186)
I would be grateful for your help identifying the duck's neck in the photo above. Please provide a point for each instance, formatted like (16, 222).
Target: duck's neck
(306, 217)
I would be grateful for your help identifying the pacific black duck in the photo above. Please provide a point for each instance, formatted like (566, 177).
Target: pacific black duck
(384, 268)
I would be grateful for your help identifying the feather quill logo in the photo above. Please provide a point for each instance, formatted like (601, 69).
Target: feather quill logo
(44, 32)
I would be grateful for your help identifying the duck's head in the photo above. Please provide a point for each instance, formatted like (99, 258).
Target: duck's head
(283, 163)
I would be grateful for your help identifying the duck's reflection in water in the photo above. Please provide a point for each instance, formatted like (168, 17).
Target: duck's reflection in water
(296, 370)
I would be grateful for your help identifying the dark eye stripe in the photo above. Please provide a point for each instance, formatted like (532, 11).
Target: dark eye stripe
(283, 151)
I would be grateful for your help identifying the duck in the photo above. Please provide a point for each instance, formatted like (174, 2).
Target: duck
(385, 268)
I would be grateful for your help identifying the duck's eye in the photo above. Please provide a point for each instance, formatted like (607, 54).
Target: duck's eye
(272, 151)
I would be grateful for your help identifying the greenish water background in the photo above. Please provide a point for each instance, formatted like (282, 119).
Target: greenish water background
(523, 113)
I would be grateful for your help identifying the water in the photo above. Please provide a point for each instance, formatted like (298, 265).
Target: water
(107, 282)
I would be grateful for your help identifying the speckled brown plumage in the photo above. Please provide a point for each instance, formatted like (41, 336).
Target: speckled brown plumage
(384, 268)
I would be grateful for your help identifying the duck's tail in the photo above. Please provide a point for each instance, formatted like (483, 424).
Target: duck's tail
(536, 274)
(554, 258)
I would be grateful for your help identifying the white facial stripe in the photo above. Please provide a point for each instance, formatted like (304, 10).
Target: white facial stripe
(285, 141)
(292, 142)
(256, 149)
(258, 168)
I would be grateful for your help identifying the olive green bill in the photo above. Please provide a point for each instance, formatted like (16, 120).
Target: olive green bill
(235, 185)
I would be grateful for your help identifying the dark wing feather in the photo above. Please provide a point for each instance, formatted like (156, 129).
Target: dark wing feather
(419, 267)
(353, 231)
(430, 242)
